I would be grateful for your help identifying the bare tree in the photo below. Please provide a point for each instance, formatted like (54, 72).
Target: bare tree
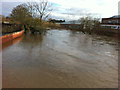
(40, 9)
(89, 22)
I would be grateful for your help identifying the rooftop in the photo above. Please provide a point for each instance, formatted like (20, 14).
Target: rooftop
(116, 16)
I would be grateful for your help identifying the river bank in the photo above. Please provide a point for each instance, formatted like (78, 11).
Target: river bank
(98, 30)
(10, 36)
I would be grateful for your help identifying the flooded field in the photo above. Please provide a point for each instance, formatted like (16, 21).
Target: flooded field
(61, 59)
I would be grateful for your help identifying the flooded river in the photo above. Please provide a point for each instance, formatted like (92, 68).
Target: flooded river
(61, 59)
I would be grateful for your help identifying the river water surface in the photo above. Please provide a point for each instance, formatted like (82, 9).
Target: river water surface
(60, 59)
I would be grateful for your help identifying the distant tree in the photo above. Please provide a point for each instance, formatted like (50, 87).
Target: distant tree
(56, 21)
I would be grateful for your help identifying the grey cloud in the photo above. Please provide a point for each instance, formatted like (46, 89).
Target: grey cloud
(8, 6)
(76, 11)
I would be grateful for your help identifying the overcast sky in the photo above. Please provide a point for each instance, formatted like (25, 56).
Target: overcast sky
(72, 9)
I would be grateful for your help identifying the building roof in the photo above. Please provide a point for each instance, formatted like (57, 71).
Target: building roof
(116, 16)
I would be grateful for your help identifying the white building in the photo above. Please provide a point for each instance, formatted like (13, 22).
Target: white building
(119, 8)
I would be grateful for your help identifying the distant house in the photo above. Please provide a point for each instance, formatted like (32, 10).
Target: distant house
(115, 20)
(6, 22)
(112, 22)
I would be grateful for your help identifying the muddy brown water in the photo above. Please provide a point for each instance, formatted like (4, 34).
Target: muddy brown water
(60, 59)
